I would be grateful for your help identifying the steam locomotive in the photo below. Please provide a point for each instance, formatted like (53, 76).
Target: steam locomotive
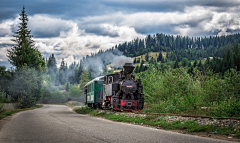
(115, 91)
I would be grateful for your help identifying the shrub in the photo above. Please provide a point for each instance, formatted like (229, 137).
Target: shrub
(26, 82)
(4, 97)
(1, 108)
(27, 101)
(177, 91)
(75, 91)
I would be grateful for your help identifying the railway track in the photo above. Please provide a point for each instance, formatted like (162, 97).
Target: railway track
(193, 116)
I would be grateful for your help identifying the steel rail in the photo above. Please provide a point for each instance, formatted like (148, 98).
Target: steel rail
(194, 116)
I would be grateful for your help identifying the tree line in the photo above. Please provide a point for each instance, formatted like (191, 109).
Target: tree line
(179, 47)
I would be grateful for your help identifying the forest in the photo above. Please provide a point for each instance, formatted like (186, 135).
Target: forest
(200, 60)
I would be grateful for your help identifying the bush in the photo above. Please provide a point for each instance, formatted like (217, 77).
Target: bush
(26, 82)
(1, 108)
(4, 97)
(75, 91)
(27, 101)
(177, 91)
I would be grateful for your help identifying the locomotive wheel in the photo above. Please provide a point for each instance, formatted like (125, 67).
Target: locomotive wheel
(94, 105)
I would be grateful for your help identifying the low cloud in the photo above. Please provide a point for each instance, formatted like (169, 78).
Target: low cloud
(104, 30)
(47, 26)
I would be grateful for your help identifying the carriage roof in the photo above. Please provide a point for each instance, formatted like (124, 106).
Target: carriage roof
(100, 78)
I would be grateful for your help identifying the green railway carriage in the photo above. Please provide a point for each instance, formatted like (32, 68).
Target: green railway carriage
(92, 91)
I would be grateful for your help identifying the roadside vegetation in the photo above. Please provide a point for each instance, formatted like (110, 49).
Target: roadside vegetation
(208, 88)
(199, 93)
(5, 113)
(159, 122)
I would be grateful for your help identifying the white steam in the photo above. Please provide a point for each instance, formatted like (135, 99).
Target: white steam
(119, 61)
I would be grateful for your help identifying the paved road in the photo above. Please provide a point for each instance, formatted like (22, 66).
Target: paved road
(58, 123)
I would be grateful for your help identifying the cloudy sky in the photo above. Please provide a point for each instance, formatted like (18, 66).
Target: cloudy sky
(76, 28)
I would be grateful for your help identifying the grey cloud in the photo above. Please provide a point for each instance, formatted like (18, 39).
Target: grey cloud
(233, 31)
(4, 32)
(95, 46)
(100, 30)
(48, 27)
(67, 10)
(5, 45)
(220, 3)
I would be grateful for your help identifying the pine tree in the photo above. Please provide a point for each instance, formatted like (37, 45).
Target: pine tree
(67, 87)
(136, 69)
(62, 73)
(200, 64)
(162, 60)
(236, 52)
(228, 61)
(147, 57)
(52, 69)
(84, 79)
(141, 67)
(189, 64)
(159, 57)
(184, 62)
(24, 52)
(176, 64)
(135, 61)
(195, 63)
(152, 61)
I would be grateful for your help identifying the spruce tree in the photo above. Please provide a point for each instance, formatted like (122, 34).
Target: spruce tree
(135, 61)
(67, 87)
(184, 62)
(24, 52)
(147, 57)
(84, 79)
(62, 73)
(195, 63)
(136, 69)
(236, 52)
(162, 60)
(159, 57)
(176, 64)
(141, 68)
(52, 69)
(200, 64)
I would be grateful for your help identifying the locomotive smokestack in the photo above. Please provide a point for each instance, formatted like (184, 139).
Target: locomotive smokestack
(128, 67)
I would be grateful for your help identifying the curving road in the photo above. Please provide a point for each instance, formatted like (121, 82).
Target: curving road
(58, 123)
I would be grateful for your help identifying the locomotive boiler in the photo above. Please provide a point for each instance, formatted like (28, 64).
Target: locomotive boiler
(118, 91)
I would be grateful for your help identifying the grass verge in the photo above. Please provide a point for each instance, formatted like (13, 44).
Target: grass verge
(10, 112)
(158, 122)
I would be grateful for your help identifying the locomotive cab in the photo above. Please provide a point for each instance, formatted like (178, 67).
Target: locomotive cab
(116, 91)
(122, 92)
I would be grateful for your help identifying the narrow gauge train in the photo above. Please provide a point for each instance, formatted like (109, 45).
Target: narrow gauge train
(115, 91)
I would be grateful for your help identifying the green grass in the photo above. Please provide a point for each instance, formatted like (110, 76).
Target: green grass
(10, 112)
(238, 135)
(156, 121)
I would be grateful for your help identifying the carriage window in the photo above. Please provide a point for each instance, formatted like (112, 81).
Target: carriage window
(110, 79)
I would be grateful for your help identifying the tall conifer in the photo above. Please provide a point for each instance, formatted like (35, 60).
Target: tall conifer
(24, 52)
